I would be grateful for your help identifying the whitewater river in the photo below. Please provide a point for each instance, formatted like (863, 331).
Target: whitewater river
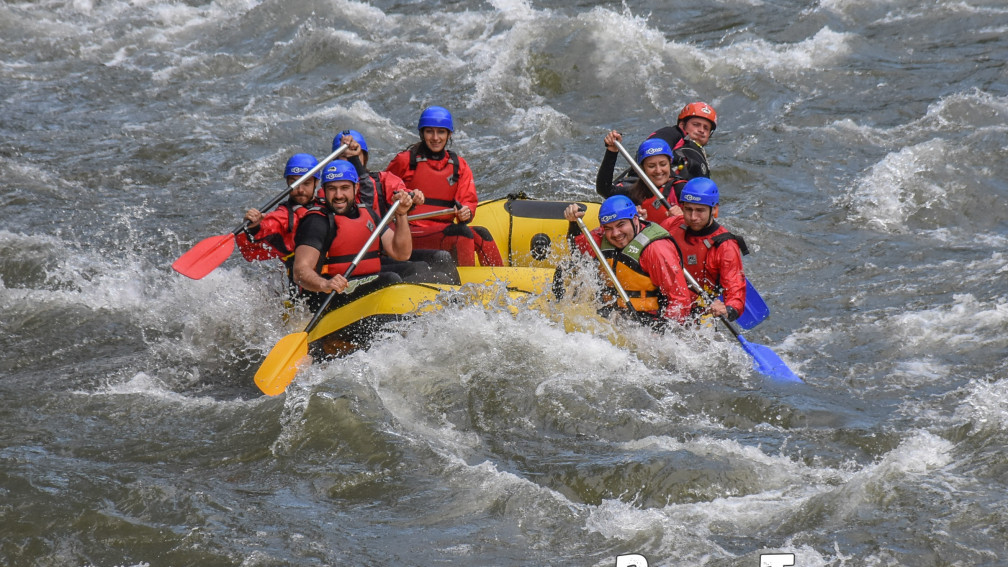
(860, 149)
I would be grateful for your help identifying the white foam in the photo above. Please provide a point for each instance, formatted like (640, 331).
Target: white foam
(824, 49)
(899, 186)
(986, 406)
(965, 325)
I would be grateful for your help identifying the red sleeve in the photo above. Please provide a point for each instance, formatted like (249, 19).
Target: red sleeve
(465, 188)
(581, 242)
(390, 184)
(672, 223)
(728, 259)
(661, 261)
(252, 251)
(399, 166)
(273, 222)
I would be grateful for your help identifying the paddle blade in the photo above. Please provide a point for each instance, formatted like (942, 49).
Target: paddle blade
(203, 258)
(767, 363)
(756, 310)
(281, 364)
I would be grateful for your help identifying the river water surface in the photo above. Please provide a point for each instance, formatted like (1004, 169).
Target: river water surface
(860, 149)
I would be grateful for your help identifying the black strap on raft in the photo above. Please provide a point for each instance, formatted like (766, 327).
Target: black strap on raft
(414, 158)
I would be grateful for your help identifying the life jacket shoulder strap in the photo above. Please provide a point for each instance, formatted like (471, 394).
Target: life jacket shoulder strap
(726, 236)
(379, 193)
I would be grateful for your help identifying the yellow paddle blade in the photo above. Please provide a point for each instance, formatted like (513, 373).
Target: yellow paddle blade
(281, 364)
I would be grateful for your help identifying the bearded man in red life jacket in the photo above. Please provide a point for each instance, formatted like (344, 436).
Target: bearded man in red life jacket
(446, 181)
(642, 256)
(332, 234)
(272, 235)
(711, 254)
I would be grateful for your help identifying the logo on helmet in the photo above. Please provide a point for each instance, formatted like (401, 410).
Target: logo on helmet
(652, 151)
(608, 218)
(706, 109)
(689, 197)
(296, 170)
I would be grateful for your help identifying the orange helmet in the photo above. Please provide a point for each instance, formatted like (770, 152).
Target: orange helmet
(700, 110)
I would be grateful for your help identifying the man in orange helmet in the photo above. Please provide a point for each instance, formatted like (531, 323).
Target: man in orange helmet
(696, 122)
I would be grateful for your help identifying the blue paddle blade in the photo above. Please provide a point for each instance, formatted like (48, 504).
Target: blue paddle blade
(767, 363)
(756, 310)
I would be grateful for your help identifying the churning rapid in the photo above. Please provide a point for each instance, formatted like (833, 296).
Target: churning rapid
(860, 150)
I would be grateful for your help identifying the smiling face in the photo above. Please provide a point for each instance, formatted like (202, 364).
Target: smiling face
(435, 138)
(698, 129)
(619, 233)
(658, 169)
(340, 195)
(303, 193)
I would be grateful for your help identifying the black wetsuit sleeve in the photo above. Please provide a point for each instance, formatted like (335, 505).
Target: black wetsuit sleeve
(312, 232)
(671, 135)
(604, 177)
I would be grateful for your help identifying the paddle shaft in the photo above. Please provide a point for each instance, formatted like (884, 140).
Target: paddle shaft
(353, 265)
(283, 194)
(640, 173)
(605, 265)
(430, 214)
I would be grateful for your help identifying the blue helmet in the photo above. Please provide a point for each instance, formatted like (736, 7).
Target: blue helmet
(339, 170)
(338, 140)
(436, 117)
(615, 208)
(653, 147)
(300, 164)
(699, 190)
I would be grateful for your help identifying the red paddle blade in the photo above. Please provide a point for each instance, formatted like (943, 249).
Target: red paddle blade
(204, 258)
(281, 364)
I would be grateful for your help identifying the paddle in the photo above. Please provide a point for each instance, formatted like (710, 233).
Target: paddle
(765, 361)
(605, 266)
(755, 310)
(211, 252)
(277, 371)
(431, 214)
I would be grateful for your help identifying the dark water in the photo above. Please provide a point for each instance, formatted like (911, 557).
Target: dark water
(860, 150)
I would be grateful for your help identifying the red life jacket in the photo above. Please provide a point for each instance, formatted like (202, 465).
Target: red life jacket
(656, 212)
(439, 190)
(275, 237)
(695, 252)
(346, 236)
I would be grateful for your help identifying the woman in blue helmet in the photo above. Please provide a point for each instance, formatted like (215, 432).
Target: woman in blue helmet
(655, 157)
(272, 235)
(446, 181)
(711, 254)
(650, 270)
